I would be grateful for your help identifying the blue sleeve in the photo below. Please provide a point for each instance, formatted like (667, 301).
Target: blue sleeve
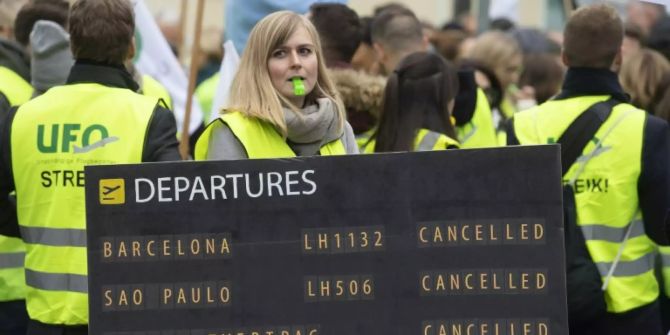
(242, 15)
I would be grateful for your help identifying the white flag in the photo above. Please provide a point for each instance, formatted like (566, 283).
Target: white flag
(229, 64)
(155, 58)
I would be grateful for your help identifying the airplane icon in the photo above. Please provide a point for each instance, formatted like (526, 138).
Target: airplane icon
(109, 190)
(112, 192)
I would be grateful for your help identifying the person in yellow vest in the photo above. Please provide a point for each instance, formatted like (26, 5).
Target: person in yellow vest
(500, 53)
(472, 111)
(340, 31)
(94, 118)
(622, 183)
(289, 109)
(14, 90)
(418, 101)
(46, 72)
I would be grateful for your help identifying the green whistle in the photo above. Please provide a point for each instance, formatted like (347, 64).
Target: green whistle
(298, 87)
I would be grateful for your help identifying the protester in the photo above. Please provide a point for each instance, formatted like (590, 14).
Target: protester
(14, 61)
(282, 101)
(340, 31)
(645, 14)
(105, 121)
(365, 57)
(448, 43)
(500, 53)
(418, 101)
(630, 152)
(633, 40)
(14, 89)
(50, 10)
(543, 73)
(641, 74)
(51, 58)
(395, 35)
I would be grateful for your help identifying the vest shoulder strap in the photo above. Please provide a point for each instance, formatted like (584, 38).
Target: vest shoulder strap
(582, 130)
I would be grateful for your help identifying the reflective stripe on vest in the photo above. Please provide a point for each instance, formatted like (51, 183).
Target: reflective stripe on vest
(664, 253)
(59, 237)
(259, 139)
(12, 260)
(480, 131)
(599, 232)
(15, 88)
(12, 278)
(425, 140)
(71, 126)
(606, 196)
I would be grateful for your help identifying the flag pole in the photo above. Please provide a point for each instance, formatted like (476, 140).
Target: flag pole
(182, 31)
(193, 71)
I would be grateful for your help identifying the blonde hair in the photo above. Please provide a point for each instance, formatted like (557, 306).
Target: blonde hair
(493, 49)
(641, 73)
(252, 93)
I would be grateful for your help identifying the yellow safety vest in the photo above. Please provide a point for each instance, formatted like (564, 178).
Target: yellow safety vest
(480, 131)
(152, 88)
(605, 193)
(12, 250)
(260, 139)
(15, 88)
(664, 253)
(12, 279)
(205, 93)
(362, 139)
(507, 109)
(53, 137)
(425, 140)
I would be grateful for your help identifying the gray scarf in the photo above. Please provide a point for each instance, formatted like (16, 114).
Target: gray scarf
(316, 125)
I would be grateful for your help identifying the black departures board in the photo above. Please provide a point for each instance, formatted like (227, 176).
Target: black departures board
(432, 243)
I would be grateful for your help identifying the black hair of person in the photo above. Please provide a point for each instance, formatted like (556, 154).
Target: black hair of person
(340, 30)
(417, 96)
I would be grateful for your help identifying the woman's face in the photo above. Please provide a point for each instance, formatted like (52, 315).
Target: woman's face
(294, 59)
(509, 71)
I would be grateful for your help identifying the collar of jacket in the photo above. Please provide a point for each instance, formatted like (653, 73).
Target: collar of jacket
(582, 81)
(113, 75)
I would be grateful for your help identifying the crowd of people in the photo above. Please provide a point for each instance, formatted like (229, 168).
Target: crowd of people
(328, 82)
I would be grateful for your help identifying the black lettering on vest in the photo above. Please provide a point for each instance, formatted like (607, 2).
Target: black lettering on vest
(46, 180)
(596, 185)
(68, 176)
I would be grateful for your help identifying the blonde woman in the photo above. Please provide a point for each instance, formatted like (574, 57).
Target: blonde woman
(641, 74)
(500, 53)
(282, 102)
